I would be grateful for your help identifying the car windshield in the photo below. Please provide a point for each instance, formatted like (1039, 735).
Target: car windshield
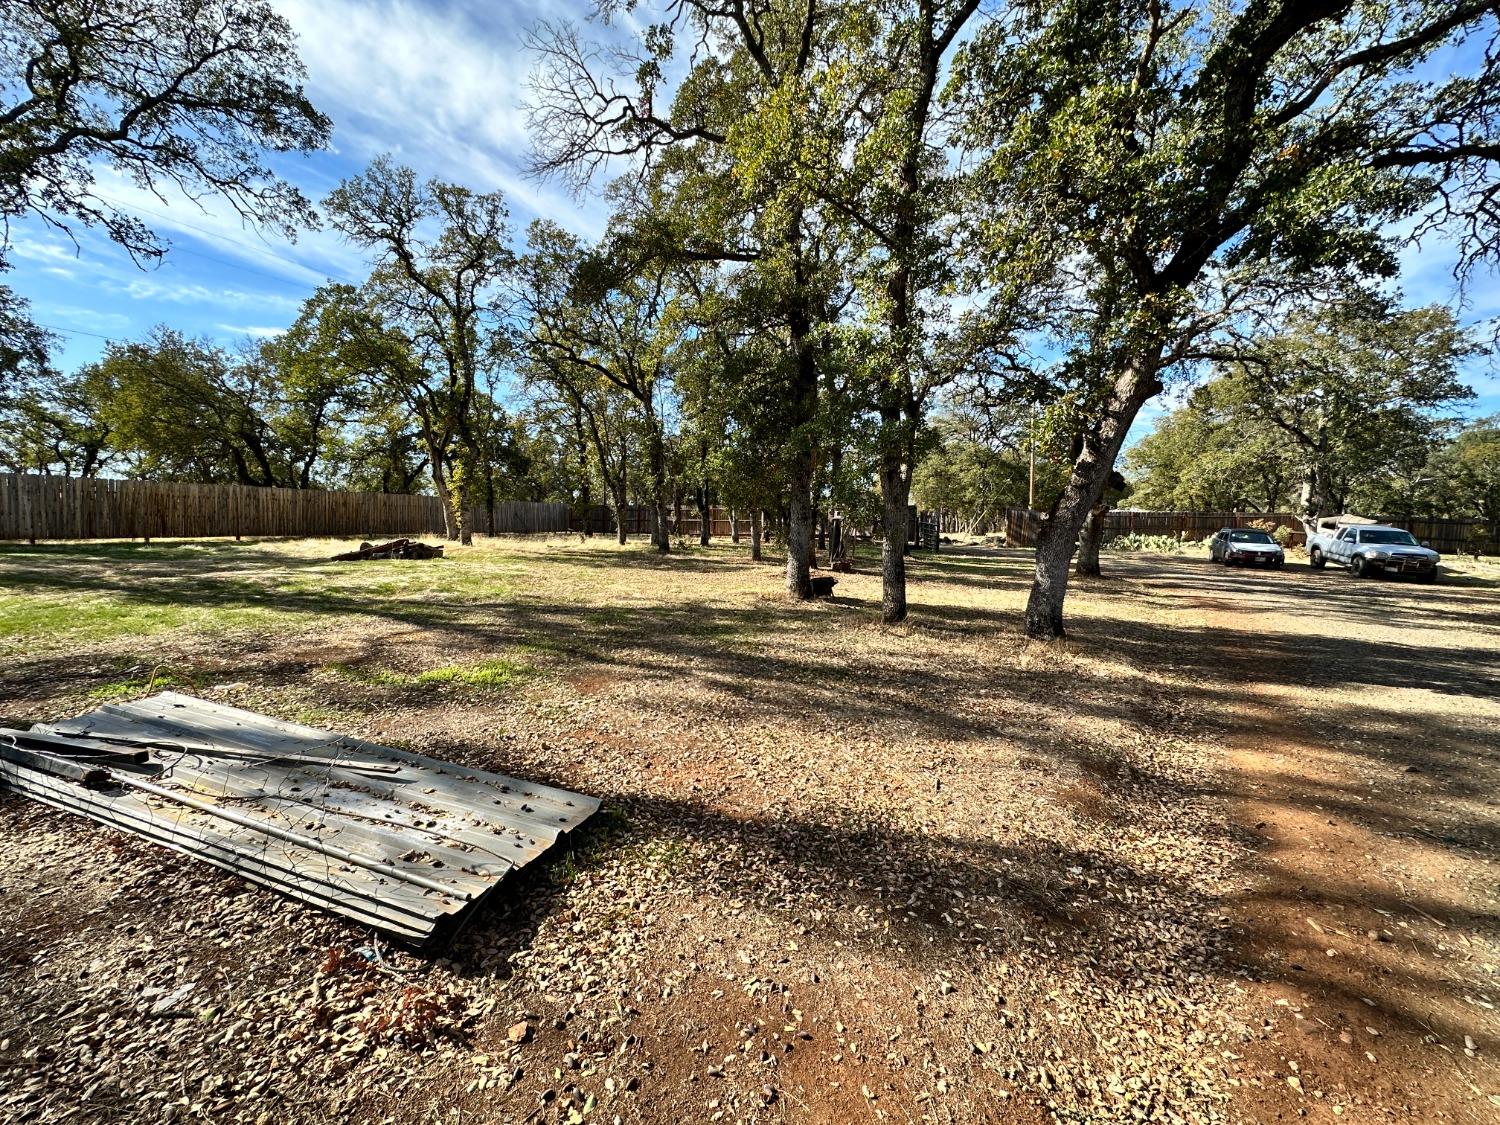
(1250, 537)
(1387, 535)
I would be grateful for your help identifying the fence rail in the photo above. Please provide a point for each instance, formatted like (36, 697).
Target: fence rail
(1447, 536)
(50, 507)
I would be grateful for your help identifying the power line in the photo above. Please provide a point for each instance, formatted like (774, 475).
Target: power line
(72, 331)
(243, 268)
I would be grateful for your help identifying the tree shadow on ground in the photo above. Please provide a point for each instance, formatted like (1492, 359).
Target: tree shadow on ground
(771, 660)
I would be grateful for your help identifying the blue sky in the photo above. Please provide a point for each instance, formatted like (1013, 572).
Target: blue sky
(439, 84)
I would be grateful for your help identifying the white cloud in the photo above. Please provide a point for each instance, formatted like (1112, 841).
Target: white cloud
(84, 319)
(254, 331)
(43, 249)
(213, 224)
(192, 293)
(436, 87)
(405, 72)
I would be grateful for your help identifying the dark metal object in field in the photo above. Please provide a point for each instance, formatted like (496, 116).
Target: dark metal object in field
(397, 841)
(822, 586)
(395, 549)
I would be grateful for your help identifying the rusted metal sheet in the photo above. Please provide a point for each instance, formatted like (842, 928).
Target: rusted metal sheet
(398, 841)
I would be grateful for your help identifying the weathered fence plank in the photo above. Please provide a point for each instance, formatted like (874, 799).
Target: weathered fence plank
(51, 507)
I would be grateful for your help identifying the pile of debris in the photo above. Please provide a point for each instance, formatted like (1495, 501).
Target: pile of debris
(395, 549)
(393, 840)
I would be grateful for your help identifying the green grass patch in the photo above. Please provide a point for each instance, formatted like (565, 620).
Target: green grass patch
(53, 615)
(66, 593)
(329, 718)
(139, 685)
(488, 674)
(496, 674)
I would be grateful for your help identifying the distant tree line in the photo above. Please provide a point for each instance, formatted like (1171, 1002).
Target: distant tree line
(1354, 406)
(853, 249)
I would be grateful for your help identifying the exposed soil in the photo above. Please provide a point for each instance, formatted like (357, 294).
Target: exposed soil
(1364, 743)
(844, 873)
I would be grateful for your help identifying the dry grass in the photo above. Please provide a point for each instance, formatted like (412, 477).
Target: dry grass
(845, 873)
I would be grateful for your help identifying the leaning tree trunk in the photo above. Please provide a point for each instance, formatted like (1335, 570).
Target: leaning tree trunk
(1084, 488)
(895, 488)
(1089, 540)
(755, 534)
(445, 498)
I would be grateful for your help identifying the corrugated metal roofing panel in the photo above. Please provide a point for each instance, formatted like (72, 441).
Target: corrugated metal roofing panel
(389, 838)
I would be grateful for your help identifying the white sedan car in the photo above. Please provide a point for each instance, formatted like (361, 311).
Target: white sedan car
(1245, 546)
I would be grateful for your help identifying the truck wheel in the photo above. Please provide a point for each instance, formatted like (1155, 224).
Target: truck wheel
(1360, 568)
(1317, 559)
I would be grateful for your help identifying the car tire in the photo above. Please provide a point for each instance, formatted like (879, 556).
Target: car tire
(1317, 560)
(1360, 567)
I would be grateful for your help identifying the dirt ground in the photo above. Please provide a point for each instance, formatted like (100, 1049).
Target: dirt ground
(1228, 854)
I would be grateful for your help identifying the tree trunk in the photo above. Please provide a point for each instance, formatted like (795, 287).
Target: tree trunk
(622, 491)
(802, 398)
(489, 501)
(661, 535)
(1312, 495)
(894, 488)
(1084, 488)
(755, 534)
(1089, 540)
(734, 526)
(799, 530)
(445, 498)
(585, 485)
(461, 491)
(703, 517)
(618, 494)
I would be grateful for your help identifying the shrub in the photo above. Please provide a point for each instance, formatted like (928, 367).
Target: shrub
(1134, 541)
(1477, 542)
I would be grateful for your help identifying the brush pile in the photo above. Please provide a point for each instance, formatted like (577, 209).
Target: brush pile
(395, 549)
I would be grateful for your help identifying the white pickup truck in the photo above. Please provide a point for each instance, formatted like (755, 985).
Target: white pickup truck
(1369, 550)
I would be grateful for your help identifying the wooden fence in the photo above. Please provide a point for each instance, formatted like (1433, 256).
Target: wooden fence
(723, 523)
(50, 507)
(1447, 536)
(639, 519)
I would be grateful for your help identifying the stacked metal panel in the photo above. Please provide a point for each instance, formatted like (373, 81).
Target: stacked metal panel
(401, 842)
